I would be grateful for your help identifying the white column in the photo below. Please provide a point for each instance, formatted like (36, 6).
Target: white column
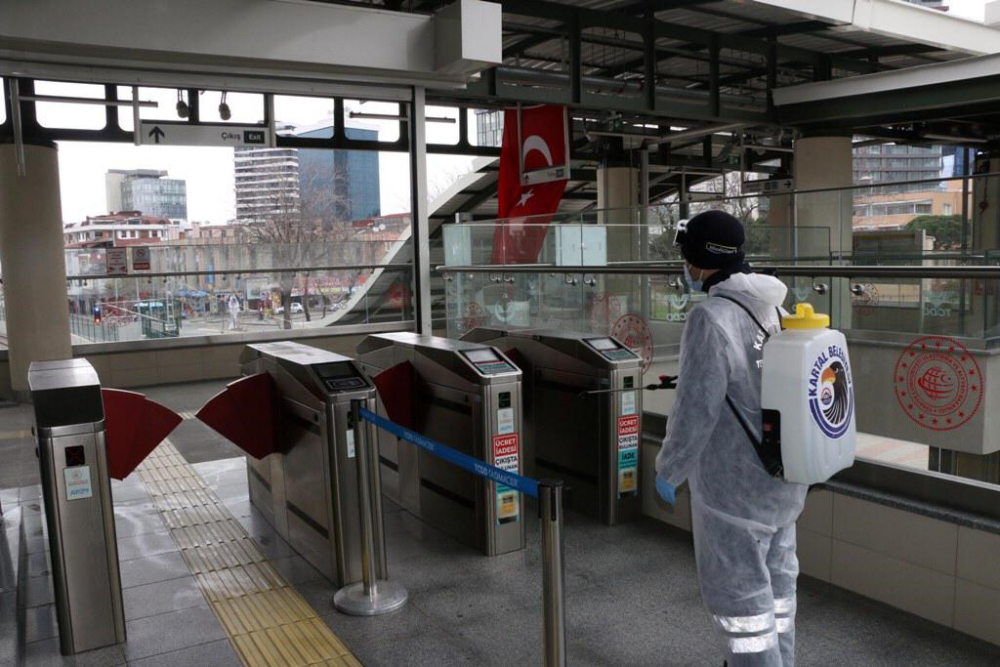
(826, 162)
(31, 258)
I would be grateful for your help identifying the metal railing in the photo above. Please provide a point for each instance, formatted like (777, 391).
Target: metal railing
(372, 597)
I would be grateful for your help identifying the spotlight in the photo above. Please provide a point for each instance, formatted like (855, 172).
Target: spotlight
(224, 112)
(182, 108)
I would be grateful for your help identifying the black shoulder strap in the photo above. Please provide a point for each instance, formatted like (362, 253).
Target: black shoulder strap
(771, 462)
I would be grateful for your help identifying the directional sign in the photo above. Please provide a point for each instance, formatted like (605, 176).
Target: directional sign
(769, 186)
(140, 258)
(152, 133)
(117, 261)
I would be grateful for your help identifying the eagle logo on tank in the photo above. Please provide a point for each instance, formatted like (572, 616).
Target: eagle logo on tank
(831, 392)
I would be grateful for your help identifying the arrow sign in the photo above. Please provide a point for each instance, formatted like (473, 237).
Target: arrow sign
(204, 134)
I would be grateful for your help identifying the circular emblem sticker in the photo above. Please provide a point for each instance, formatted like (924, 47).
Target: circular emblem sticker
(633, 332)
(866, 303)
(474, 316)
(831, 392)
(938, 383)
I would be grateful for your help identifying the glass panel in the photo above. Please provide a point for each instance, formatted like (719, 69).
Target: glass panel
(305, 116)
(166, 109)
(245, 108)
(442, 125)
(365, 120)
(3, 101)
(69, 115)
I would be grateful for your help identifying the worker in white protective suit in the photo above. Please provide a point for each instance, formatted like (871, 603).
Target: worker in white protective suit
(743, 517)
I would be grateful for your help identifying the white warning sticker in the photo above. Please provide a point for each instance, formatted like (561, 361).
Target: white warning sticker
(350, 444)
(505, 421)
(78, 484)
(628, 402)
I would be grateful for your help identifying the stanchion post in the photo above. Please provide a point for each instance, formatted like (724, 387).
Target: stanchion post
(369, 597)
(550, 498)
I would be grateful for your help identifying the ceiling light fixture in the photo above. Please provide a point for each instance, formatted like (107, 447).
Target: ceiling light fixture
(183, 111)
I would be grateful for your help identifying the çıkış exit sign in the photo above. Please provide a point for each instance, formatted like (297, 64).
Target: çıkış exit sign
(154, 133)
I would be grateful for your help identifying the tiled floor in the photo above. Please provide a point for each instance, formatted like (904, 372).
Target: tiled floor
(632, 597)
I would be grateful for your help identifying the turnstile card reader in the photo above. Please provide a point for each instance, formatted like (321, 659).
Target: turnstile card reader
(309, 493)
(466, 396)
(76, 488)
(590, 441)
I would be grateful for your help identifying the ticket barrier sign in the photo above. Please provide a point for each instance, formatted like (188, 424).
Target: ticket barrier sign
(468, 397)
(291, 412)
(590, 440)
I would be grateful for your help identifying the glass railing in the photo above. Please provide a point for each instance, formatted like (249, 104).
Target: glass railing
(173, 305)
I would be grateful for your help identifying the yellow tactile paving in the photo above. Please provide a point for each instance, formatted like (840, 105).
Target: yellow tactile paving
(267, 621)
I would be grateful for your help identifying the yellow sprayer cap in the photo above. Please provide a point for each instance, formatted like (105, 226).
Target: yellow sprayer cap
(805, 318)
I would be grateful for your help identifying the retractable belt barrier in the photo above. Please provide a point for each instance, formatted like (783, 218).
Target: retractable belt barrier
(523, 484)
(549, 494)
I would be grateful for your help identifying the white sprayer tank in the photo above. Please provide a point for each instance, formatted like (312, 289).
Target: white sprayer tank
(807, 381)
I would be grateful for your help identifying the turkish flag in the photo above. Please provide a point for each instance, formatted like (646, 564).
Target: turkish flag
(535, 153)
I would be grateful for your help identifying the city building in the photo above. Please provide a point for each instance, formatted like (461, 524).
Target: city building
(318, 183)
(489, 127)
(121, 229)
(147, 191)
(891, 163)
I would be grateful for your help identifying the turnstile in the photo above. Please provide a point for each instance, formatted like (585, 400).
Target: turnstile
(591, 441)
(466, 396)
(76, 488)
(309, 492)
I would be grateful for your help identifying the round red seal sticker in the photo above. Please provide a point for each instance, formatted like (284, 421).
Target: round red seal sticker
(633, 332)
(938, 383)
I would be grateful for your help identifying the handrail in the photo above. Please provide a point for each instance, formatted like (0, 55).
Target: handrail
(926, 272)
(238, 272)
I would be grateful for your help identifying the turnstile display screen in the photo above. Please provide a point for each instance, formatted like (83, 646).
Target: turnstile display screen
(488, 362)
(611, 349)
(339, 376)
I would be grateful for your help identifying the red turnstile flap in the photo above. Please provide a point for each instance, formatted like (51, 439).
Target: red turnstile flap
(395, 387)
(133, 427)
(246, 413)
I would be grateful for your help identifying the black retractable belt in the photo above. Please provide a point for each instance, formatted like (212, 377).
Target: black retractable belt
(768, 450)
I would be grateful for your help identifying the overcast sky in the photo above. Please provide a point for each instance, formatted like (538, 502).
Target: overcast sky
(209, 171)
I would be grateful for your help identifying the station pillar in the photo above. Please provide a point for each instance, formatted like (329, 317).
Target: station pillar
(617, 197)
(822, 163)
(36, 316)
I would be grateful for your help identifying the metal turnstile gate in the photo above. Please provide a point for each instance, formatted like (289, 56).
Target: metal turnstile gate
(76, 488)
(589, 440)
(468, 397)
(309, 491)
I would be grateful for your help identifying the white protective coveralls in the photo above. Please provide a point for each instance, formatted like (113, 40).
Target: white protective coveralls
(743, 518)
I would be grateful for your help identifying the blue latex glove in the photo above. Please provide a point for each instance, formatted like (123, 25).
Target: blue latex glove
(666, 490)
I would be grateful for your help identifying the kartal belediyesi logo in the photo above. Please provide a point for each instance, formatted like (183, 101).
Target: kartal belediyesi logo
(831, 392)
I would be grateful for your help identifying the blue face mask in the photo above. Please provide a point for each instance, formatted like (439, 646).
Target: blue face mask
(694, 285)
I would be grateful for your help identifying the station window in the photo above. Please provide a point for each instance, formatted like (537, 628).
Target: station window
(165, 98)
(3, 101)
(304, 116)
(443, 126)
(247, 108)
(365, 120)
(69, 115)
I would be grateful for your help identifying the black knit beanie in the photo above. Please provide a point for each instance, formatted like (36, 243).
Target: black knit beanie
(713, 240)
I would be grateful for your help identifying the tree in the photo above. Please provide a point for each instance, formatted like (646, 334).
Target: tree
(946, 230)
(302, 224)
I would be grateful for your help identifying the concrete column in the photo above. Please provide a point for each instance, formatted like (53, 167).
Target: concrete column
(617, 197)
(32, 263)
(826, 162)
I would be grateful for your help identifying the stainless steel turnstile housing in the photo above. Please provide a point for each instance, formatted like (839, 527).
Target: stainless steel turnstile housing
(76, 488)
(589, 441)
(468, 397)
(310, 492)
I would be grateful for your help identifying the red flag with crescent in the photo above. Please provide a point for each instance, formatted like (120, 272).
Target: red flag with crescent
(534, 168)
